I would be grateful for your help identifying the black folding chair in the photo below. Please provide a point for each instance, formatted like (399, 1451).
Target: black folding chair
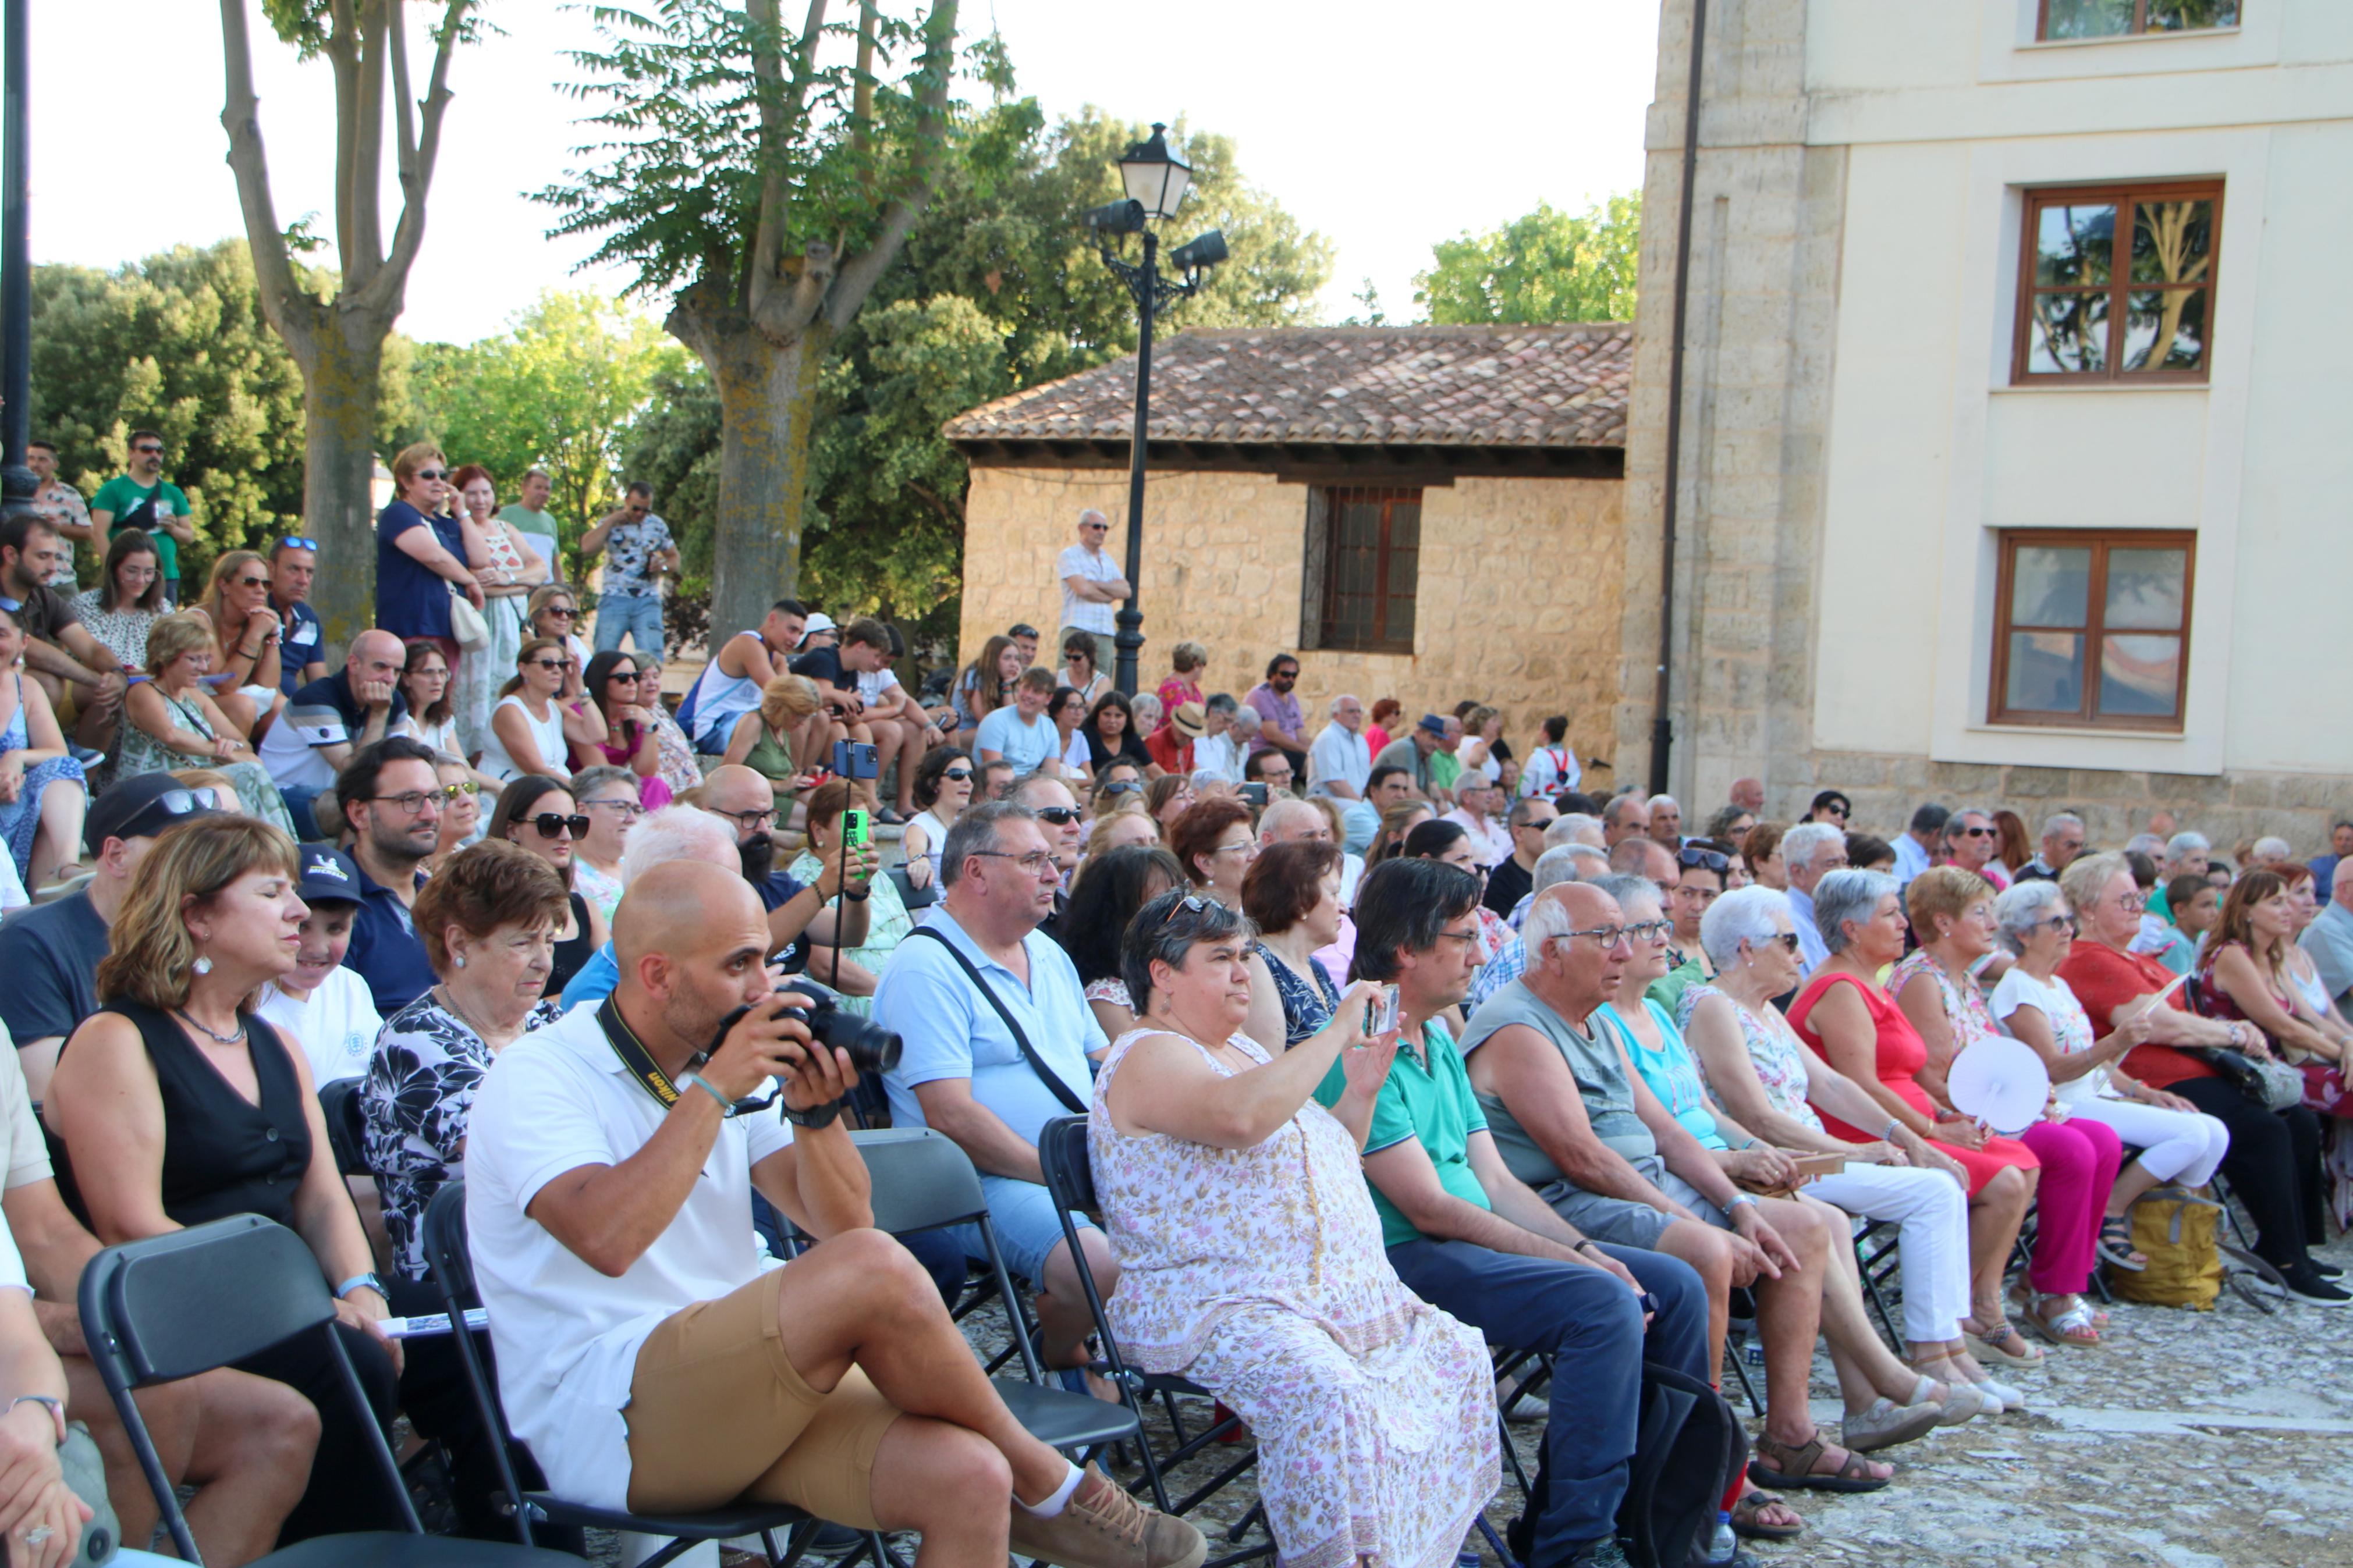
(176, 1305)
(347, 1125)
(921, 1181)
(1876, 1259)
(1070, 1181)
(453, 1272)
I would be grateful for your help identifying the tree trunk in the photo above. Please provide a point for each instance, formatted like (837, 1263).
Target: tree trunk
(339, 405)
(768, 396)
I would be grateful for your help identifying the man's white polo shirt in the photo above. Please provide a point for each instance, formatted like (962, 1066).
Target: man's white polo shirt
(567, 1336)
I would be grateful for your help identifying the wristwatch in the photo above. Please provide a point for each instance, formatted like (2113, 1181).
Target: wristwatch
(816, 1115)
(367, 1282)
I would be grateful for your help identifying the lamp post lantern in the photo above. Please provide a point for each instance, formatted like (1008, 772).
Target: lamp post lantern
(1156, 180)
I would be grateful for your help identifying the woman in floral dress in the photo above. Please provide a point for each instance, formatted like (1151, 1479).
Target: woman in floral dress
(1251, 1262)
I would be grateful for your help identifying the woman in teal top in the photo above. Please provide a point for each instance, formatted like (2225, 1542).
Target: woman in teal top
(1665, 1063)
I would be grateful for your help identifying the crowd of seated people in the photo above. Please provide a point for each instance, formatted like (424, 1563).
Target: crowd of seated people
(472, 881)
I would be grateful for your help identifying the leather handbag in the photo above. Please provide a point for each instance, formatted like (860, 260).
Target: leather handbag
(2273, 1085)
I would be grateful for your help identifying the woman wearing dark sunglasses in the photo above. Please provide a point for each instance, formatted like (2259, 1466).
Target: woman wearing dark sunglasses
(942, 788)
(421, 553)
(615, 685)
(538, 814)
(245, 639)
(533, 730)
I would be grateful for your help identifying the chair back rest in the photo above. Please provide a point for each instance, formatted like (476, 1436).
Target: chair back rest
(921, 1179)
(172, 1306)
(445, 1240)
(347, 1125)
(1062, 1157)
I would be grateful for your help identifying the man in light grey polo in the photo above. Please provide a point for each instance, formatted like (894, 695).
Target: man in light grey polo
(962, 1071)
(1341, 759)
(1092, 586)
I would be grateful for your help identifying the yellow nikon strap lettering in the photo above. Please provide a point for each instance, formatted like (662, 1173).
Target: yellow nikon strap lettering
(634, 1056)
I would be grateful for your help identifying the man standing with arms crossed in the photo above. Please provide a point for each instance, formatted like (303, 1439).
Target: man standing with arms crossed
(1091, 586)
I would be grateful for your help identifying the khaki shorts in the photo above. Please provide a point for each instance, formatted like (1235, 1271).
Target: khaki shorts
(717, 1413)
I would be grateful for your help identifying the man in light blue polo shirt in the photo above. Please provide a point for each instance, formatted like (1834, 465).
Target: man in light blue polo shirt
(963, 1072)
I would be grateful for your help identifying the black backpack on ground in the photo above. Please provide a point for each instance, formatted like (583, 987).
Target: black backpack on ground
(1688, 1447)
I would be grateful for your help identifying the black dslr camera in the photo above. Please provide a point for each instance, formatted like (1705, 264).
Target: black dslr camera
(870, 1047)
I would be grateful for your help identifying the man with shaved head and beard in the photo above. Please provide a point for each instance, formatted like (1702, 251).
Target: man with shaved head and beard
(649, 1351)
(749, 804)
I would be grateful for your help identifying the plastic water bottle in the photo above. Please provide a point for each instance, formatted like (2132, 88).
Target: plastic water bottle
(1722, 1545)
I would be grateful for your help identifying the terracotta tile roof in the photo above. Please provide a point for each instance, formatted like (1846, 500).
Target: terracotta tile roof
(1526, 386)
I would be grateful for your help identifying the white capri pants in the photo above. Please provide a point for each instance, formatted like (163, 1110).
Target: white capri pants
(2184, 1146)
(1931, 1218)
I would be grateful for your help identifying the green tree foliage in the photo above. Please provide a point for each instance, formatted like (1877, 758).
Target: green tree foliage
(558, 390)
(1546, 266)
(174, 343)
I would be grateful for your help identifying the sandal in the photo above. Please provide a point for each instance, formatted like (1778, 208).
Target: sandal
(1778, 1464)
(2116, 1245)
(1998, 1339)
(1746, 1524)
(2071, 1326)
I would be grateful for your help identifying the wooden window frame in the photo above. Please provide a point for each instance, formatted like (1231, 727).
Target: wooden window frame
(2100, 541)
(2139, 29)
(1323, 518)
(2128, 196)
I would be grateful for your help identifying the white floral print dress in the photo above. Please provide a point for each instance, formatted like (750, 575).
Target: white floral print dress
(1258, 1273)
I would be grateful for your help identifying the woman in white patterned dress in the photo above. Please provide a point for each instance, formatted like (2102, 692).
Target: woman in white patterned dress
(1251, 1262)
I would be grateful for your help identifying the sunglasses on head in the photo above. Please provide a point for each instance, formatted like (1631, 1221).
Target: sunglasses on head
(297, 542)
(552, 823)
(1705, 859)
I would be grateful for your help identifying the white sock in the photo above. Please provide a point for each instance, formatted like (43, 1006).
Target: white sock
(1060, 1497)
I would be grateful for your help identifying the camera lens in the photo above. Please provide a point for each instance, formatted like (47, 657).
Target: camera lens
(870, 1047)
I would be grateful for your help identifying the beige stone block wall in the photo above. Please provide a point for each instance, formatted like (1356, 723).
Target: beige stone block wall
(1518, 592)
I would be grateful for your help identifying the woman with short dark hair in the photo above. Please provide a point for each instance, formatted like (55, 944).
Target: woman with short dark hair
(1291, 893)
(1831, 806)
(539, 815)
(1251, 1258)
(1111, 886)
(1214, 842)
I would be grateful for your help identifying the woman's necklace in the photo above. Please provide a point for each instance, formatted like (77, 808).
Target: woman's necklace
(449, 1004)
(219, 1039)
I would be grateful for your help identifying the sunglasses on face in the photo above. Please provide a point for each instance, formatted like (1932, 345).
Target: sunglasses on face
(563, 613)
(432, 473)
(545, 663)
(958, 776)
(623, 675)
(1975, 833)
(459, 790)
(251, 583)
(553, 824)
(2056, 922)
(1060, 816)
(149, 451)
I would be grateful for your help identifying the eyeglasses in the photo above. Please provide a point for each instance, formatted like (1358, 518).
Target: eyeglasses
(1467, 938)
(149, 451)
(410, 801)
(552, 823)
(625, 807)
(749, 821)
(1608, 936)
(1788, 938)
(1706, 859)
(1243, 847)
(1037, 863)
(1060, 816)
(1096, 527)
(297, 542)
(560, 612)
(1975, 832)
(459, 790)
(2057, 923)
(432, 473)
(1653, 931)
(2133, 903)
(958, 776)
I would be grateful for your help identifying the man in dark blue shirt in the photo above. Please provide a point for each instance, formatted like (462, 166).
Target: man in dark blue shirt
(302, 646)
(390, 799)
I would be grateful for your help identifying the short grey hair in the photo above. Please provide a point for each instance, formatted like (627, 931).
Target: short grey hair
(1959, 821)
(1745, 914)
(677, 833)
(2147, 844)
(2183, 844)
(1847, 895)
(1558, 865)
(1169, 928)
(1333, 708)
(1803, 842)
(1019, 790)
(1547, 918)
(2059, 819)
(2021, 907)
(1564, 828)
(1623, 886)
(1657, 801)
(975, 832)
(587, 781)
(2270, 847)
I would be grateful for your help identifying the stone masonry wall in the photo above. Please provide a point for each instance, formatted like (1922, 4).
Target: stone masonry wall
(1518, 590)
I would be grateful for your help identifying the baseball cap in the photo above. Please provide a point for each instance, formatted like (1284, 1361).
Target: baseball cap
(143, 806)
(328, 876)
(819, 621)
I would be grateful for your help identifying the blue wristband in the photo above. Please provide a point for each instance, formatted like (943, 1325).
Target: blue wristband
(726, 1106)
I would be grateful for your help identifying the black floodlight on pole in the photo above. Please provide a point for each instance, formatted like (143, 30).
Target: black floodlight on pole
(1156, 180)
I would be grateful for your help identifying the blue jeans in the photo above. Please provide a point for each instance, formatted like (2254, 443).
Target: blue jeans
(299, 800)
(1593, 1325)
(640, 615)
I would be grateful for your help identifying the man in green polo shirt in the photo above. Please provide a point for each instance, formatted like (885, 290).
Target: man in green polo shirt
(144, 500)
(1472, 1239)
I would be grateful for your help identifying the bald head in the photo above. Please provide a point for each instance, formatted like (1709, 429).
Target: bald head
(1583, 903)
(2341, 886)
(374, 657)
(676, 908)
(1749, 794)
(732, 789)
(1289, 820)
(1643, 858)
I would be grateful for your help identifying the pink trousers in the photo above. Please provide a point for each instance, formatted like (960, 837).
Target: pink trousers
(2079, 1161)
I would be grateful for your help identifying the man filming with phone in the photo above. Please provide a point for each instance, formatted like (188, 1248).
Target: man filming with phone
(648, 1350)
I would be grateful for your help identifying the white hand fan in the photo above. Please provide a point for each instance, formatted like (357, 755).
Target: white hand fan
(2001, 1082)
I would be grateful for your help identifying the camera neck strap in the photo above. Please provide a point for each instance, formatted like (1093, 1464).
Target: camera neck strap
(1053, 1080)
(634, 1055)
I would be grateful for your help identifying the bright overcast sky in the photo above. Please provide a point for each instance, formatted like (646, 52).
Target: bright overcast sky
(1384, 134)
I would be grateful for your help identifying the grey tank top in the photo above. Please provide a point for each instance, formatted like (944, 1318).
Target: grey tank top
(1594, 1063)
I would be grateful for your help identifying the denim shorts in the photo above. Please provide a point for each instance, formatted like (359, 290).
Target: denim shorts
(1026, 1225)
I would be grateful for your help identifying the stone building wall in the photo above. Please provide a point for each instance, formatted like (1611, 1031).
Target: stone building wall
(1517, 605)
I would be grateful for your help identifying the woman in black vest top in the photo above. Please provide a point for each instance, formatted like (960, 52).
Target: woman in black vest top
(173, 1105)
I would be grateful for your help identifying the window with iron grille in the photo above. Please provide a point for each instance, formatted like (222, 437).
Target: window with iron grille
(1364, 552)
(2092, 628)
(2123, 18)
(2117, 283)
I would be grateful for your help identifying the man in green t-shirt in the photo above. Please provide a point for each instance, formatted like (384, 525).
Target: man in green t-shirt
(530, 515)
(143, 499)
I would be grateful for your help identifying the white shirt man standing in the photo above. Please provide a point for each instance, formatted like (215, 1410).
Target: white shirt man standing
(1341, 759)
(1091, 584)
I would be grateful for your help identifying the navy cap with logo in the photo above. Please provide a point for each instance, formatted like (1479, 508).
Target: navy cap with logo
(143, 806)
(328, 876)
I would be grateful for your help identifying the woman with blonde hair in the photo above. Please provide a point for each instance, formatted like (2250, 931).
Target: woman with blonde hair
(174, 724)
(173, 1105)
(762, 740)
(533, 730)
(553, 611)
(246, 632)
(1483, 746)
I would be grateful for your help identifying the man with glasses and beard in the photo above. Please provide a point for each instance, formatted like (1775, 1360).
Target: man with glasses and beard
(389, 795)
(796, 910)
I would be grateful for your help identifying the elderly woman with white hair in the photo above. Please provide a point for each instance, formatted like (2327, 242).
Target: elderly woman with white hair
(1766, 1081)
(2177, 1142)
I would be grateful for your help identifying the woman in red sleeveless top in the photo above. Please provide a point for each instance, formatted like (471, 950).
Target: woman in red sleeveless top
(1844, 1017)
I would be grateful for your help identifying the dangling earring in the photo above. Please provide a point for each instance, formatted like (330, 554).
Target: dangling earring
(203, 965)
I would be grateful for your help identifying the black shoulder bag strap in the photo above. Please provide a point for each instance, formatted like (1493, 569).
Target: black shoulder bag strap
(1053, 1081)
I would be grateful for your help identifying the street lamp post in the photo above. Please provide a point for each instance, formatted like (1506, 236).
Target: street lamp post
(15, 268)
(1156, 180)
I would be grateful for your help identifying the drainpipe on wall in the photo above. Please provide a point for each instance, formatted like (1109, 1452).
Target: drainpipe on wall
(1663, 727)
